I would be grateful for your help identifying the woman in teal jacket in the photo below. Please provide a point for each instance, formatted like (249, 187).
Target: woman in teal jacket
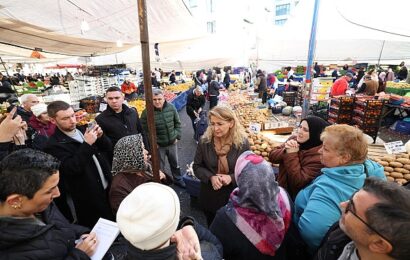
(343, 154)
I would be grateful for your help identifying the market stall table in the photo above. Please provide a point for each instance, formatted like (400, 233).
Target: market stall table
(389, 108)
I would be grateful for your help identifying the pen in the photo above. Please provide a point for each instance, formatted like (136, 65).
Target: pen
(80, 240)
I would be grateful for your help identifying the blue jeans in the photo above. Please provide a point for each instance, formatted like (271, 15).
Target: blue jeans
(171, 152)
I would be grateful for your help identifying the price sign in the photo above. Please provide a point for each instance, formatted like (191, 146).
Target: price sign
(103, 107)
(395, 147)
(255, 127)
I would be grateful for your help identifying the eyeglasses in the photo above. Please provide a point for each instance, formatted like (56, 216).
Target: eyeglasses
(351, 208)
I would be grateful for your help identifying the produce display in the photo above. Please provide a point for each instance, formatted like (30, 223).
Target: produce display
(397, 85)
(260, 145)
(367, 115)
(139, 104)
(169, 96)
(249, 114)
(396, 167)
(179, 88)
(83, 117)
(340, 110)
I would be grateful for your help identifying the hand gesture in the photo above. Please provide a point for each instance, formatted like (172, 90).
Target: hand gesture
(225, 179)
(20, 137)
(88, 243)
(291, 144)
(162, 175)
(216, 182)
(9, 127)
(99, 131)
(187, 243)
(91, 135)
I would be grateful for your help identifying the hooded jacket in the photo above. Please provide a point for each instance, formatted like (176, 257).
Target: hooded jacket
(317, 205)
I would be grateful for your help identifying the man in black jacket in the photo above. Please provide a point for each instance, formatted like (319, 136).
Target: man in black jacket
(195, 102)
(119, 120)
(85, 172)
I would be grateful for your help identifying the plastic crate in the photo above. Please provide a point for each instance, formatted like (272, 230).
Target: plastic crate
(193, 186)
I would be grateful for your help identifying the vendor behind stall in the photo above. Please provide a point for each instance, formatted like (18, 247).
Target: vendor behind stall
(129, 89)
(341, 85)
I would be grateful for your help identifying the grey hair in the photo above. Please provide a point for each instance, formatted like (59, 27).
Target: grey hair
(25, 97)
(157, 92)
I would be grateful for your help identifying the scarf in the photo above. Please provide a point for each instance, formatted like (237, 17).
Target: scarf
(222, 151)
(316, 126)
(129, 155)
(258, 207)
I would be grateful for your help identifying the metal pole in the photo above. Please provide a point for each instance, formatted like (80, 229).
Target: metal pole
(380, 55)
(146, 69)
(311, 54)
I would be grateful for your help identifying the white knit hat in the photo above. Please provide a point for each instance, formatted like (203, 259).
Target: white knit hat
(149, 215)
(39, 109)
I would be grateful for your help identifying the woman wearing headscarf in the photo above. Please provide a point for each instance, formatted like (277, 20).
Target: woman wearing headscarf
(299, 158)
(257, 216)
(219, 148)
(130, 168)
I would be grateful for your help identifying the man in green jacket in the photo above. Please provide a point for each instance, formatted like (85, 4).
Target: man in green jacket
(168, 130)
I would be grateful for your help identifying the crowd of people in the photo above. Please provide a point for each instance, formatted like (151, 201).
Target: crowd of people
(52, 194)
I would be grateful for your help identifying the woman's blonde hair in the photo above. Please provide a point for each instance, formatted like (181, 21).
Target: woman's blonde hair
(236, 133)
(347, 140)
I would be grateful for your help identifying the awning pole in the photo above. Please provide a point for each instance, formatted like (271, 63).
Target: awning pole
(146, 69)
(312, 46)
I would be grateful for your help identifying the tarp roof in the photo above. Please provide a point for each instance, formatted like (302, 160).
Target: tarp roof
(54, 25)
(348, 31)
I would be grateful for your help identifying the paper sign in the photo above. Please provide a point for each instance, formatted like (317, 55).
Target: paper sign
(395, 147)
(255, 127)
(273, 125)
(107, 231)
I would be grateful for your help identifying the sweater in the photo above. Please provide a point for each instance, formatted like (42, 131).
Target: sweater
(339, 87)
(317, 205)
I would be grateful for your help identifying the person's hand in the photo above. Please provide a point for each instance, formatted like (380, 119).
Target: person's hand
(187, 243)
(225, 179)
(176, 141)
(291, 144)
(9, 127)
(20, 137)
(88, 243)
(196, 114)
(90, 135)
(162, 175)
(216, 182)
(99, 131)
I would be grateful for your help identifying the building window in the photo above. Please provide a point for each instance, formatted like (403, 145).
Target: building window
(280, 21)
(211, 26)
(193, 3)
(282, 9)
(210, 6)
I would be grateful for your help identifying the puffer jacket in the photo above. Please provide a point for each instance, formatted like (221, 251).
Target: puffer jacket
(167, 124)
(26, 239)
(317, 205)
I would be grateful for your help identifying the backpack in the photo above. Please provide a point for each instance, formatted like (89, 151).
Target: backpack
(201, 124)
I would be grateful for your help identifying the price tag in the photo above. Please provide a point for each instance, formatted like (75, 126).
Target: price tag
(395, 147)
(255, 127)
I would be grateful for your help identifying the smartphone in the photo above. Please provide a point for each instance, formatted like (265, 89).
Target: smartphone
(91, 125)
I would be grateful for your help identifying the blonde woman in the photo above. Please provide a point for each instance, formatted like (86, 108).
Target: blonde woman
(214, 164)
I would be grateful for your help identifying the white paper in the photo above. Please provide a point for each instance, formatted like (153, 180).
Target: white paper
(106, 231)
(395, 147)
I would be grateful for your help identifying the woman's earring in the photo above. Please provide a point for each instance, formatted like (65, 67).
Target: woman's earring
(16, 206)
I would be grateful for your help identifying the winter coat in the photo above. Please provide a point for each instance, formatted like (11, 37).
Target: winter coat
(123, 183)
(25, 115)
(25, 239)
(213, 88)
(236, 245)
(79, 177)
(227, 80)
(115, 127)
(167, 124)
(261, 83)
(194, 103)
(339, 87)
(317, 205)
(128, 88)
(42, 129)
(296, 170)
(206, 165)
